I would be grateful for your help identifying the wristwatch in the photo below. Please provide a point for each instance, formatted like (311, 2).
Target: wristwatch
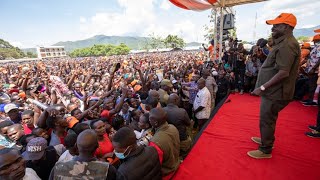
(262, 88)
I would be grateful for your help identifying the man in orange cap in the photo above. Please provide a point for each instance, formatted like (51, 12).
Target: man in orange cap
(276, 81)
(305, 51)
(317, 30)
(311, 70)
(315, 58)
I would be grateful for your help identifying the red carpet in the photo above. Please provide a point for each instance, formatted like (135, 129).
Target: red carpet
(221, 151)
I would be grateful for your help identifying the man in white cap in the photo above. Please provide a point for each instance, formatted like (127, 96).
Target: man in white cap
(13, 112)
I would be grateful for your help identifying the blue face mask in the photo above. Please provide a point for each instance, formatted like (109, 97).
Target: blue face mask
(121, 155)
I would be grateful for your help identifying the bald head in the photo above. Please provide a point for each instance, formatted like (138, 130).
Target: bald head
(205, 73)
(157, 117)
(154, 93)
(174, 99)
(87, 142)
(201, 83)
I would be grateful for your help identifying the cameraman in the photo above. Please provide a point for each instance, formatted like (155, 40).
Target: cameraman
(210, 49)
(239, 56)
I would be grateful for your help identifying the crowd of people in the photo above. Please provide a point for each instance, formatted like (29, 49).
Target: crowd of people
(123, 117)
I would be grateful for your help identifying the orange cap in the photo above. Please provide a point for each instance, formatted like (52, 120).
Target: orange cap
(317, 30)
(137, 88)
(22, 95)
(71, 121)
(316, 37)
(284, 18)
(305, 46)
(134, 82)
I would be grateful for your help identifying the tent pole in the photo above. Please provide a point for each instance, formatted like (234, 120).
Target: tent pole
(221, 30)
(215, 33)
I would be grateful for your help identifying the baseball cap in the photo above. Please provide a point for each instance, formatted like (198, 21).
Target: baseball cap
(305, 45)
(174, 81)
(317, 30)
(9, 107)
(134, 82)
(284, 18)
(22, 95)
(137, 88)
(166, 82)
(71, 121)
(12, 86)
(35, 149)
(316, 37)
(13, 76)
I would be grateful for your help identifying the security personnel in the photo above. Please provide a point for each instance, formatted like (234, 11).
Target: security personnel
(276, 81)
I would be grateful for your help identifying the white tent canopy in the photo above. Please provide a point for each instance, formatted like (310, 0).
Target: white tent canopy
(215, 5)
(231, 3)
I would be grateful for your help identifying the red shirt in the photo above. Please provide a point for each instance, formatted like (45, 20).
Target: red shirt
(106, 114)
(27, 130)
(105, 147)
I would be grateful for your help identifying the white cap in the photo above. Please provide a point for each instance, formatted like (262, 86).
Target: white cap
(214, 72)
(9, 107)
(174, 81)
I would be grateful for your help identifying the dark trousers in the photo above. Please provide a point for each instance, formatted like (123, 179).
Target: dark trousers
(318, 118)
(240, 78)
(250, 83)
(269, 110)
(301, 88)
(312, 83)
(200, 122)
(220, 97)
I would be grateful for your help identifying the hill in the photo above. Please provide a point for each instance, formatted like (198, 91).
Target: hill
(135, 43)
(309, 32)
(193, 44)
(7, 51)
(32, 50)
(131, 42)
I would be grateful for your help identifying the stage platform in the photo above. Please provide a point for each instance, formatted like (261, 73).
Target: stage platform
(221, 151)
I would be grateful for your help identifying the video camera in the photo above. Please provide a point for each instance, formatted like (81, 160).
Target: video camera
(235, 42)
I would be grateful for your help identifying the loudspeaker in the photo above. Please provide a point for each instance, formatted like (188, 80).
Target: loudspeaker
(228, 22)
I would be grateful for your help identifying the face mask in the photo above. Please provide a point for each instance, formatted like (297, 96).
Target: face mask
(317, 43)
(121, 155)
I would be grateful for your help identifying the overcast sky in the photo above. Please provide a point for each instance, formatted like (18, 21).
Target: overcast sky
(37, 22)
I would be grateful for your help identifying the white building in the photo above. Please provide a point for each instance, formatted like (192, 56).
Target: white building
(51, 51)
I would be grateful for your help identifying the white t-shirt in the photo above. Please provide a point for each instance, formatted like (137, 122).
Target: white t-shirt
(31, 175)
(203, 99)
(65, 157)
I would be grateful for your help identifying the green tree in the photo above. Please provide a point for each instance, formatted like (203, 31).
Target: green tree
(209, 33)
(7, 51)
(173, 41)
(303, 38)
(155, 41)
(101, 50)
(31, 55)
(146, 45)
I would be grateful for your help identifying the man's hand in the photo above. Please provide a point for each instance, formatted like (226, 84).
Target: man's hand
(137, 67)
(52, 111)
(312, 71)
(257, 92)
(124, 91)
